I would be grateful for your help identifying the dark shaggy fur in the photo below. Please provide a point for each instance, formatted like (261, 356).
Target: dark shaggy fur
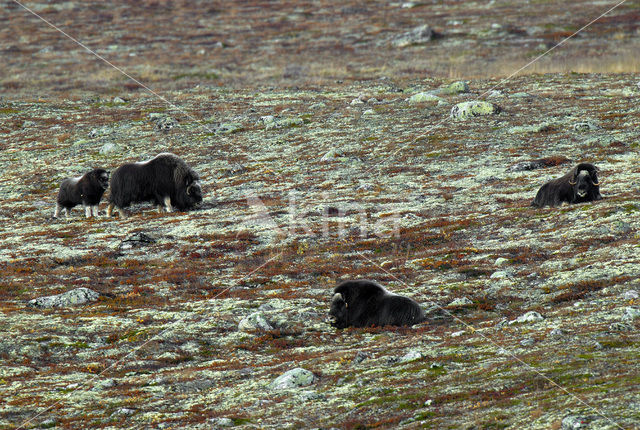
(578, 186)
(86, 189)
(363, 303)
(165, 180)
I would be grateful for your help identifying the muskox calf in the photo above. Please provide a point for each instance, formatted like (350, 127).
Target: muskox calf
(165, 180)
(86, 189)
(578, 186)
(365, 303)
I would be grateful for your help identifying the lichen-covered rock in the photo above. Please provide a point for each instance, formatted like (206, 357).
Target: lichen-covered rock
(79, 296)
(293, 378)
(230, 128)
(529, 317)
(412, 355)
(417, 36)
(458, 87)
(254, 322)
(460, 301)
(425, 97)
(472, 109)
(270, 122)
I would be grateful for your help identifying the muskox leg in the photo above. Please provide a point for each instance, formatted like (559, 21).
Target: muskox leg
(167, 204)
(109, 210)
(159, 207)
(57, 211)
(87, 211)
(121, 212)
(94, 211)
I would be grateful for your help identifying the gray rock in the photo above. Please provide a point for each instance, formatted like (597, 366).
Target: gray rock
(529, 317)
(124, 412)
(501, 261)
(631, 313)
(79, 296)
(575, 422)
(165, 123)
(534, 128)
(229, 128)
(557, 332)
(620, 327)
(528, 341)
(136, 240)
(254, 322)
(417, 36)
(294, 378)
(461, 301)
(472, 109)
(360, 357)
(108, 148)
(332, 154)
(118, 100)
(270, 122)
(425, 97)
(411, 356)
(585, 126)
(631, 295)
(458, 87)
(221, 422)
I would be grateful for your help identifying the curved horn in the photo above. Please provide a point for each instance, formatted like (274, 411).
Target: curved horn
(338, 296)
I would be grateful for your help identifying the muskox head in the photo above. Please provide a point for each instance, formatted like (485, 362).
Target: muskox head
(101, 178)
(585, 183)
(338, 312)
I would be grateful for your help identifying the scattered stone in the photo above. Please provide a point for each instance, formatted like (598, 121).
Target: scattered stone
(332, 154)
(164, 123)
(631, 295)
(535, 128)
(620, 327)
(254, 322)
(529, 317)
(631, 313)
(221, 422)
(306, 396)
(270, 122)
(48, 423)
(458, 333)
(471, 109)
(501, 261)
(585, 126)
(79, 296)
(229, 128)
(124, 412)
(458, 87)
(425, 97)
(538, 164)
(557, 332)
(136, 240)
(369, 112)
(436, 365)
(417, 36)
(294, 378)
(108, 148)
(575, 422)
(460, 301)
(528, 341)
(411, 356)
(501, 274)
(118, 100)
(360, 357)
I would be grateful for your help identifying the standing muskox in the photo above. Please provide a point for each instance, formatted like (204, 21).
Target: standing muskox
(578, 186)
(86, 189)
(363, 303)
(165, 180)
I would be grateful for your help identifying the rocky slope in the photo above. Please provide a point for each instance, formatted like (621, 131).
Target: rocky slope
(309, 179)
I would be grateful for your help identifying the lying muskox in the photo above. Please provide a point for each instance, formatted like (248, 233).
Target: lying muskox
(578, 186)
(363, 303)
(86, 189)
(165, 180)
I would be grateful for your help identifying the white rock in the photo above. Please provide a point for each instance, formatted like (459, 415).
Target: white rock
(294, 378)
(79, 296)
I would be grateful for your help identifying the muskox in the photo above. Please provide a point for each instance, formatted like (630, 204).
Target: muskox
(86, 189)
(165, 180)
(363, 303)
(578, 186)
